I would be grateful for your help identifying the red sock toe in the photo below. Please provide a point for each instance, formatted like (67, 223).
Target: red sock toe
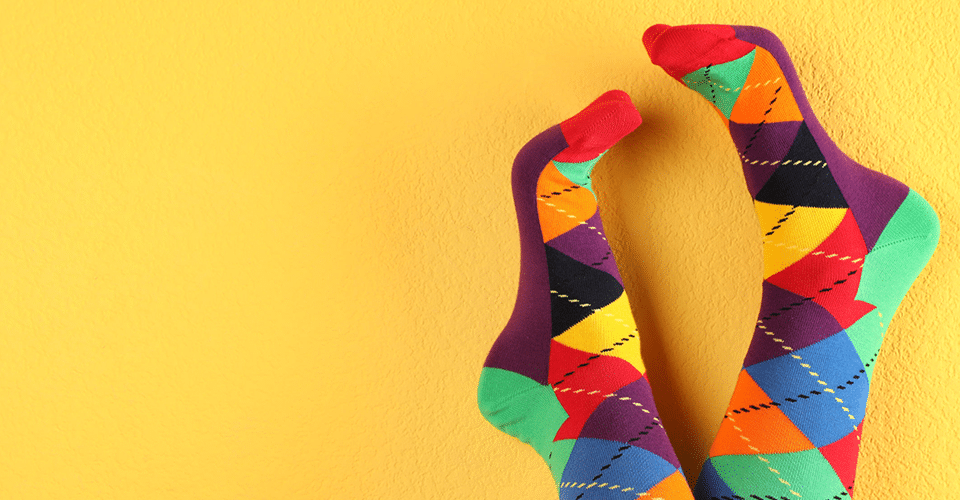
(652, 34)
(598, 127)
(681, 50)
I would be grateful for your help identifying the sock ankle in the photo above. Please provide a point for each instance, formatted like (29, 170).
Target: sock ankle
(842, 245)
(565, 375)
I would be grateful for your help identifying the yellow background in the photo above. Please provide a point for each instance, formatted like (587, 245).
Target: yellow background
(260, 250)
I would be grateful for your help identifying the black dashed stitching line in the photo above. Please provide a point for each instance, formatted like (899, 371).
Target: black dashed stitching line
(646, 430)
(760, 125)
(590, 359)
(558, 193)
(806, 299)
(745, 409)
(713, 91)
(602, 259)
(750, 143)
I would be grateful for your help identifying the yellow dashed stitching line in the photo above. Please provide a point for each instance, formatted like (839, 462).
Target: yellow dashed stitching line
(728, 89)
(562, 211)
(818, 253)
(604, 485)
(748, 161)
(759, 457)
(620, 321)
(807, 366)
(625, 399)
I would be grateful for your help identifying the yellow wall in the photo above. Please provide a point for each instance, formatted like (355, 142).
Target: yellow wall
(260, 251)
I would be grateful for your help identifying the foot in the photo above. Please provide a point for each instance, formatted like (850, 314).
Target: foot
(841, 246)
(565, 375)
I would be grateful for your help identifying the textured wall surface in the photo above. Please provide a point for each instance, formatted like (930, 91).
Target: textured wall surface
(260, 250)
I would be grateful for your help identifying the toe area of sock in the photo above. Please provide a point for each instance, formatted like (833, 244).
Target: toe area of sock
(651, 35)
(599, 126)
(681, 50)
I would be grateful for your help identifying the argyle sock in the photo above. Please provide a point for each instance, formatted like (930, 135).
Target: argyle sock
(841, 246)
(565, 375)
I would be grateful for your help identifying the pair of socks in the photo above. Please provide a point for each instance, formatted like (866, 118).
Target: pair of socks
(841, 246)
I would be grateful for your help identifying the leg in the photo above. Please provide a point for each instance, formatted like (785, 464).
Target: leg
(841, 246)
(565, 375)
